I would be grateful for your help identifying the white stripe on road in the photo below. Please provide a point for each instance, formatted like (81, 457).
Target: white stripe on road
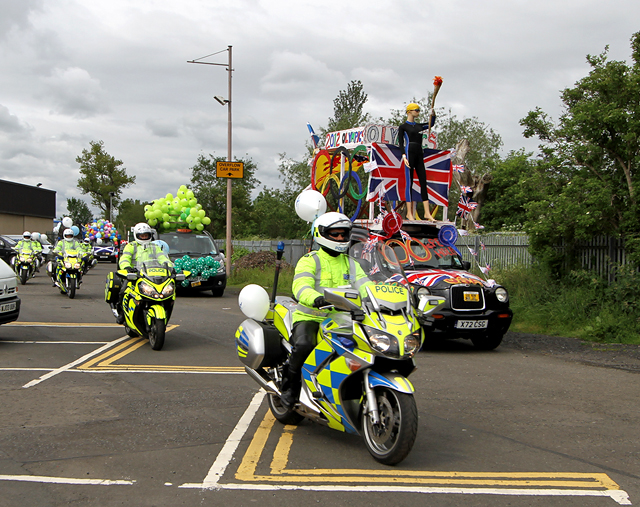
(74, 363)
(64, 480)
(228, 450)
(619, 496)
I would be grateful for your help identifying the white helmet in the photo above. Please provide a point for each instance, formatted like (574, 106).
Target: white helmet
(142, 229)
(26, 235)
(68, 235)
(35, 236)
(328, 224)
(87, 240)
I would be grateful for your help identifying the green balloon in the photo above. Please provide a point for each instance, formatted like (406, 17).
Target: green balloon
(197, 220)
(193, 212)
(153, 222)
(202, 213)
(166, 225)
(206, 220)
(199, 227)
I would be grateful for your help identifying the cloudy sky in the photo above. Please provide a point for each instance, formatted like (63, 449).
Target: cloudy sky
(73, 71)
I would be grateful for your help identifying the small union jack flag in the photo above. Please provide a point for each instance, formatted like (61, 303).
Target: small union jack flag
(465, 206)
(458, 168)
(464, 189)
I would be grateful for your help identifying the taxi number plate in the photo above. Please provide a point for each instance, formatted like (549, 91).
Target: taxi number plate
(195, 284)
(472, 296)
(472, 324)
(8, 307)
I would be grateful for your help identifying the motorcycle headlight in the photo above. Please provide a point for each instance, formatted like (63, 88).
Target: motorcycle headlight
(502, 294)
(168, 289)
(76, 265)
(411, 343)
(67, 265)
(382, 342)
(147, 289)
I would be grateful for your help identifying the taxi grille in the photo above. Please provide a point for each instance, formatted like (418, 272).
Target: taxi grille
(467, 298)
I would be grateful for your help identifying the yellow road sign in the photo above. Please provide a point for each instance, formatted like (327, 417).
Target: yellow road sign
(229, 170)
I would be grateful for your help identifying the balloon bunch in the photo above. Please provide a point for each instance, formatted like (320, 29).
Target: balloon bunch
(204, 267)
(101, 231)
(180, 212)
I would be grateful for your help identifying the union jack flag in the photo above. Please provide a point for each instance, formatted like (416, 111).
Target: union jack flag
(389, 176)
(464, 189)
(458, 168)
(465, 206)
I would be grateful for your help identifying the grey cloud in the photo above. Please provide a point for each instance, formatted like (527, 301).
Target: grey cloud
(163, 128)
(16, 13)
(10, 123)
(75, 93)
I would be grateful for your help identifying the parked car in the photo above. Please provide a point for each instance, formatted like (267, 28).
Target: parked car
(6, 248)
(46, 245)
(197, 245)
(9, 300)
(475, 309)
(106, 251)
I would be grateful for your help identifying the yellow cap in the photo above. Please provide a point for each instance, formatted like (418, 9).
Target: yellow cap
(412, 106)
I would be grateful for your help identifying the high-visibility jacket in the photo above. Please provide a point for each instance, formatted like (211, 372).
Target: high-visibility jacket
(63, 246)
(134, 254)
(28, 246)
(318, 270)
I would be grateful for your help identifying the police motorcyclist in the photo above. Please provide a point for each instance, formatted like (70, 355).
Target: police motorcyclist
(67, 244)
(328, 267)
(28, 245)
(137, 252)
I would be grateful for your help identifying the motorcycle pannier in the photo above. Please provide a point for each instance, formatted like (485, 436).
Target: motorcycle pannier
(258, 344)
(112, 288)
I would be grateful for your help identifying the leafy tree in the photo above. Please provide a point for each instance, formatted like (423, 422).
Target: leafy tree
(78, 211)
(594, 151)
(348, 108)
(130, 212)
(274, 209)
(211, 193)
(102, 176)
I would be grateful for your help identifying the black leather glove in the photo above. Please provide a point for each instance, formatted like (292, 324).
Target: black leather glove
(319, 302)
(130, 269)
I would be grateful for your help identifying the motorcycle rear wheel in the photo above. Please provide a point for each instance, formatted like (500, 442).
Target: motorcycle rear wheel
(390, 441)
(156, 334)
(282, 414)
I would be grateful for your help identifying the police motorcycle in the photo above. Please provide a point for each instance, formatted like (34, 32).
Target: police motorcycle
(68, 272)
(148, 299)
(88, 260)
(25, 265)
(355, 380)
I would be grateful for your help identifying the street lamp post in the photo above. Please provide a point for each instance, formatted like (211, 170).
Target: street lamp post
(111, 194)
(222, 101)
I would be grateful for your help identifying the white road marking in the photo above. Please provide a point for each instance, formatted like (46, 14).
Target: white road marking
(231, 445)
(619, 496)
(64, 480)
(67, 367)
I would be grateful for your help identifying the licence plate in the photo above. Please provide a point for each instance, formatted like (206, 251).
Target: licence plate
(472, 296)
(195, 284)
(7, 307)
(472, 324)
(104, 256)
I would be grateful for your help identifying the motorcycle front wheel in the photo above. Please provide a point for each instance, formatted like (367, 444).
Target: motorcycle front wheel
(156, 334)
(390, 441)
(71, 288)
(24, 274)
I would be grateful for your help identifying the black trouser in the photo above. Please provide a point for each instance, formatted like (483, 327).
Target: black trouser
(303, 338)
(416, 162)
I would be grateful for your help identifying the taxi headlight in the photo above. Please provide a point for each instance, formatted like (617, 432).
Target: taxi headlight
(502, 294)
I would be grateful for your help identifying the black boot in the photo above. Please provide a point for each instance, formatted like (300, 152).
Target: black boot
(290, 391)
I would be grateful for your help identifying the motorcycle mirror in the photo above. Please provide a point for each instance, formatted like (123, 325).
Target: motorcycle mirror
(132, 276)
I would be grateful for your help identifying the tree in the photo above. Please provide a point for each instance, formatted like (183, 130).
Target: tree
(78, 211)
(130, 213)
(211, 193)
(101, 177)
(595, 151)
(347, 108)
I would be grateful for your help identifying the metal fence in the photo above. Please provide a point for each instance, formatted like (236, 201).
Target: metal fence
(497, 249)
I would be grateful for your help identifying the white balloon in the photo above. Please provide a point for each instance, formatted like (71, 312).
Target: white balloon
(67, 222)
(99, 241)
(254, 302)
(310, 204)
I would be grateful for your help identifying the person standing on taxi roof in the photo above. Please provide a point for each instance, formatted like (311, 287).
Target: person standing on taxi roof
(410, 143)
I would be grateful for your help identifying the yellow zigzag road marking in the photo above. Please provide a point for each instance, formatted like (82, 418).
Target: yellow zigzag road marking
(279, 472)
